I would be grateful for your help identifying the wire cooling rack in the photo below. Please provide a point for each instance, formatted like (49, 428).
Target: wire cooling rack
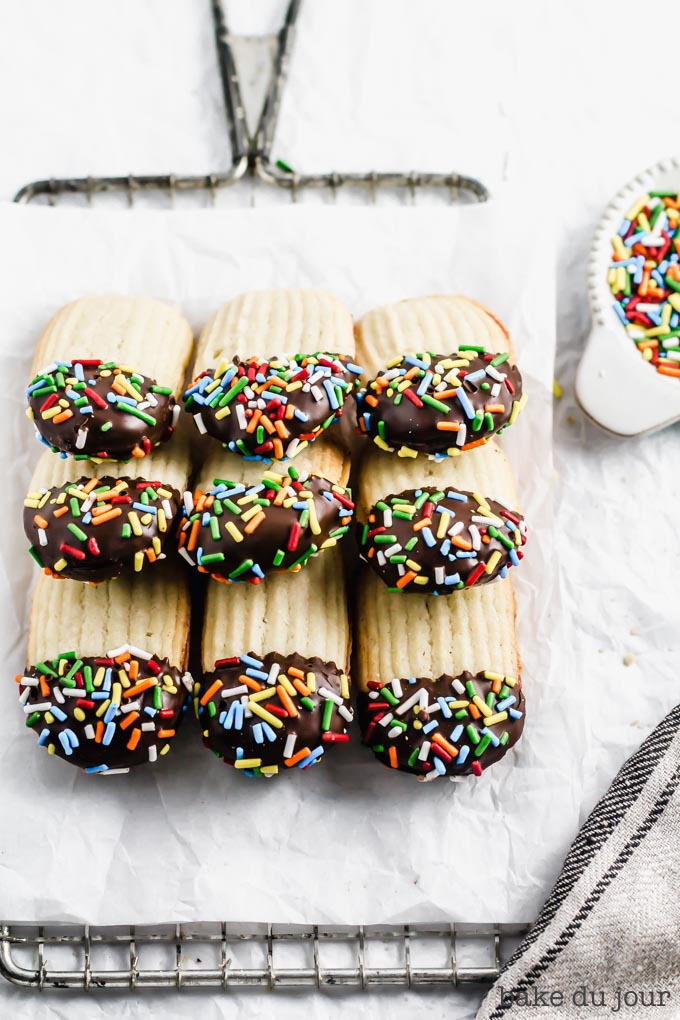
(224, 955)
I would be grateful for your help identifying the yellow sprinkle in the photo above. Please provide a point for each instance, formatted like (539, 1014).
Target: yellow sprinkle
(420, 580)
(637, 206)
(264, 714)
(223, 412)
(233, 531)
(79, 714)
(457, 704)
(51, 749)
(417, 725)
(644, 222)
(481, 501)
(518, 405)
(403, 451)
(557, 390)
(313, 519)
(674, 300)
(344, 685)
(49, 718)
(381, 443)
(491, 720)
(294, 386)
(146, 519)
(116, 693)
(509, 680)
(444, 519)
(412, 565)
(268, 692)
(269, 770)
(164, 750)
(286, 684)
(162, 520)
(156, 543)
(310, 680)
(139, 559)
(647, 354)
(611, 277)
(60, 564)
(481, 705)
(492, 561)
(488, 675)
(103, 708)
(135, 523)
(253, 512)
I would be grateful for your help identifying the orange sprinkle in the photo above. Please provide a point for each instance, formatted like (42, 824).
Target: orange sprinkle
(109, 516)
(254, 685)
(254, 523)
(252, 424)
(286, 701)
(62, 416)
(213, 689)
(143, 685)
(40, 521)
(393, 756)
(425, 523)
(494, 408)
(166, 734)
(406, 579)
(666, 370)
(128, 720)
(278, 449)
(138, 452)
(281, 429)
(99, 732)
(301, 687)
(460, 543)
(193, 534)
(438, 739)
(267, 424)
(371, 400)
(134, 669)
(134, 738)
(297, 757)
(471, 446)
(448, 426)
(123, 657)
(44, 687)
(293, 671)
(61, 511)
(474, 712)
(290, 411)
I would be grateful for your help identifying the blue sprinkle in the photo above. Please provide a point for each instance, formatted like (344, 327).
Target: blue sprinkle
(620, 312)
(446, 711)
(316, 753)
(505, 703)
(268, 732)
(64, 741)
(452, 579)
(439, 764)
(257, 674)
(111, 712)
(430, 726)
(514, 714)
(108, 734)
(44, 737)
(96, 768)
(332, 398)
(456, 495)
(145, 508)
(428, 536)
(462, 755)
(58, 714)
(457, 733)
(492, 736)
(258, 734)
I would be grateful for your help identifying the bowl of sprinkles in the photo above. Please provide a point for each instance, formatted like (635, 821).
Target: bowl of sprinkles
(644, 277)
(634, 293)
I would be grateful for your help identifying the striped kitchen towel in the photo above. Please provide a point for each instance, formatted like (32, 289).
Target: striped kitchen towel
(607, 941)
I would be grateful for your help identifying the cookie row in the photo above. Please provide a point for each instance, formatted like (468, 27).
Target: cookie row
(266, 697)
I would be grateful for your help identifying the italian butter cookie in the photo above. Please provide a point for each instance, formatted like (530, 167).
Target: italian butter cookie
(429, 528)
(104, 376)
(441, 377)
(275, 692)
(273, 370)
(93, 521)
(439, 678)
(246, 520)
(106, 684)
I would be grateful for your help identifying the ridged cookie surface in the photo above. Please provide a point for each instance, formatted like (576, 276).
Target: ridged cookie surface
(270, 322)
(149, 335)
(149, 611)
(437, 323)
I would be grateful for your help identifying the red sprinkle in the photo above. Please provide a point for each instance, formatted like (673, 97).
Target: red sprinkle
(335, 738)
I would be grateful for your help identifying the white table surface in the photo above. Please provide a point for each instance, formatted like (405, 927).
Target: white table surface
(93, 86)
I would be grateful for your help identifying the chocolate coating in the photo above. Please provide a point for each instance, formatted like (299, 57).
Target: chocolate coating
(63, 701)
(305, 711)
(440, 404)
(430, 542)
(239, 533)
(271, 409)
(94, 529)
(105, 411)
(442, 721)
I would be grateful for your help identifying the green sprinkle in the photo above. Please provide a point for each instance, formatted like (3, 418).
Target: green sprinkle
(413, 757)
(165, 390)
(384, 539)
(500, 359)
(472, 733)
(482, 746)
(126, 531)
(386, 693)
(284, 166)
(279, 557)
(480, 349)
(215, 528)
(131, 409)
(105, 427)
(308, 703)
(327, 714)
(245, 566)
(34, 553)
(32, 719)
(78, 532)
(216, 557)
(212, 710)
(439, 405)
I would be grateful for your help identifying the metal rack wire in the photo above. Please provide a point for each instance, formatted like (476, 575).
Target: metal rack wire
(224, 955)
(251, 152)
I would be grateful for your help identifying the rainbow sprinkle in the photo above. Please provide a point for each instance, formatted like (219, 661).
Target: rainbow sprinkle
(445, 727)
(644, 278)
(240, 533)
(437, 541)
(271, 409)
(280, 711)
(105, 714)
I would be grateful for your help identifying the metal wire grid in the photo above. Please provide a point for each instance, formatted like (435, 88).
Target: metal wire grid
(227, 955)
(224, 955)
(251, 153)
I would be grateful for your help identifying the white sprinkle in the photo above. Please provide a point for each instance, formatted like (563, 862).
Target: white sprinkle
(129, 707)
(233, 691)
(438, 575)
(29, 681)
(175, 414)
(458, 686)
(346, 713)
(113, 772)
(386, 719)
(42, 706)
(317, 393)
(475, 537)
(198, 418)
(325, 693)
(396, 688)
(149, 727)
(424, 751)
(58, 694)
(186, 556)
(289, 746)
(188, 500)
(81, 439)
(456, 529)
(429, 777)
(241, 416)
(89, 731)
(387, 518)
(461, 435)
(394, 733)
(153, 753)
(409, 703)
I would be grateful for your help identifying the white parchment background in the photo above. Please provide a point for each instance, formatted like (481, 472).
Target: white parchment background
(191, 839)
(527, 91)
